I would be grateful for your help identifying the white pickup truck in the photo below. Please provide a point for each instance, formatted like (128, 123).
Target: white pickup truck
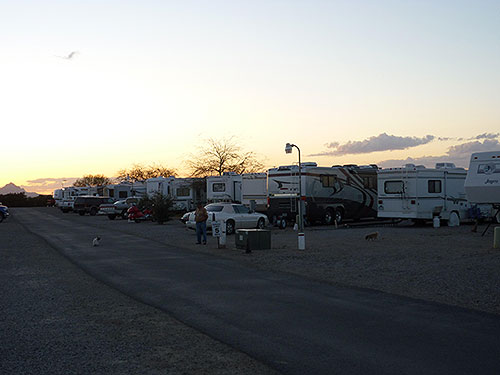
(67, 204)
(119, 208)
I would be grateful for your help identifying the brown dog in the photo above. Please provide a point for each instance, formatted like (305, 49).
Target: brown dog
(371, 236)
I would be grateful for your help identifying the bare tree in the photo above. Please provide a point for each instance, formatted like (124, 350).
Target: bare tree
(92, 180)
(139, 172)
(222, 155)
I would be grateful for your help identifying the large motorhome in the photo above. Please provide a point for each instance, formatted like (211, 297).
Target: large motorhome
(331, 194)
(254, 191)
(420, 193)
(224, 188)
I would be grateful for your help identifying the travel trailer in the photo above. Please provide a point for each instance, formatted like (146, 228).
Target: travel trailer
(118, 191)
(330, 194)
(186, 192)
(224, 188)
(158, 185)
(254, 191)
(482, 184)
(67, 193)
(420, 193)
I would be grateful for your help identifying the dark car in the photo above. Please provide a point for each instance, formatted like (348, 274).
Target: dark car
(4, 212)
(89, 204)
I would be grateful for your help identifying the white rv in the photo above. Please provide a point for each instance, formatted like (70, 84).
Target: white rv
(482, 184)
(224, 188)
(158, 185)
(420, 193)
(254, 191)
(186, 192)
(330, 193)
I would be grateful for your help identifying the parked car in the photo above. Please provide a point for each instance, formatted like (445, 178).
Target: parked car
(4, 212)
(237, 216)
(118, 208)
(66, 205)
(89, 204)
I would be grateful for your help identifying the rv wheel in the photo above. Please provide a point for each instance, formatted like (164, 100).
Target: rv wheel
(328, 218)
(1, 217)
(454, 220)
(339, 215)
(93, 211)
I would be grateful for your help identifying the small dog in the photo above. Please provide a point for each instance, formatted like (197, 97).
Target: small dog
(371, 236)
(95, 241)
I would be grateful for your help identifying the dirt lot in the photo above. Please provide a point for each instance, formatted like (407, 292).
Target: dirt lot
(446, 265)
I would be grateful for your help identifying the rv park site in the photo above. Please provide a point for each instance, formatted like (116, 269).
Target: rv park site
(399, 274)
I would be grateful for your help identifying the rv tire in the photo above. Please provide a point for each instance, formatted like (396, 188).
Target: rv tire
(1, 217)
(124, 214)
(282, 224)
(81, 212)
(328, 218)
(339, 215)
(93, 211)
(111, 217)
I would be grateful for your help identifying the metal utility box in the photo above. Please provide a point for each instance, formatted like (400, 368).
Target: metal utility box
(253, 239)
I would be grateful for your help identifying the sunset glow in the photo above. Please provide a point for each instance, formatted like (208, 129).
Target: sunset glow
(152, 79)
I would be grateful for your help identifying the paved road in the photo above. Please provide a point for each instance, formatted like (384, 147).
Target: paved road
(295, 325)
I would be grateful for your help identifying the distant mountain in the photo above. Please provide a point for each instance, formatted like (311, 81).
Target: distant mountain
(11, 188)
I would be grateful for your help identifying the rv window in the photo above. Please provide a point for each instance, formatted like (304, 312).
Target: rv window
(183, 192)
(219, 187)
(328, 181)
(488, 168)
(434, 186)
(369, 182)
(393, 187)
(122, 194)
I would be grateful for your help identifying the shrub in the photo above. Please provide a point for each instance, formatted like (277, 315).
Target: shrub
(161, 205)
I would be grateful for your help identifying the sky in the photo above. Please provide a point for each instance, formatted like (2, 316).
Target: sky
(384, 82)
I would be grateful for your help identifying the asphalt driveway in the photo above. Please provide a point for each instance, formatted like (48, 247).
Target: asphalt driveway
(295, 325)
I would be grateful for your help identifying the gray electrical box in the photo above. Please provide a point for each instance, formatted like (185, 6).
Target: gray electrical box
(253, 239)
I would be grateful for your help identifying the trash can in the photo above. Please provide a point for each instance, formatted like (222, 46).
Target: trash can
(253, 239)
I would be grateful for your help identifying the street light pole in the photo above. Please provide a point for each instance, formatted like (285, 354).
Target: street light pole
(301, 236)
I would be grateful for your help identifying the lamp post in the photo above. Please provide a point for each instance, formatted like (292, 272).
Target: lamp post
(301, 236)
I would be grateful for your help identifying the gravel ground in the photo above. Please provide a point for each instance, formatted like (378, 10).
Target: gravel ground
(447, 265)
(55, 319)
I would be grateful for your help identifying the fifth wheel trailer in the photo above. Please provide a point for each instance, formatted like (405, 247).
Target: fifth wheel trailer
(330, 194)
(419, 193)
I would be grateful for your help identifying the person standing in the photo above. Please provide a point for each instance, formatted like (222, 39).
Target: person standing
(201, 216)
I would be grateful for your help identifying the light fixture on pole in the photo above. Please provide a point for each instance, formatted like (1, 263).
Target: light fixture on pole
(301, 236)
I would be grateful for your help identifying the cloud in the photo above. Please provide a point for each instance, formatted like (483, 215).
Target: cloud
(381, 142)
(475, 146)
(487, 136)
(458, 154)
(48, 185)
